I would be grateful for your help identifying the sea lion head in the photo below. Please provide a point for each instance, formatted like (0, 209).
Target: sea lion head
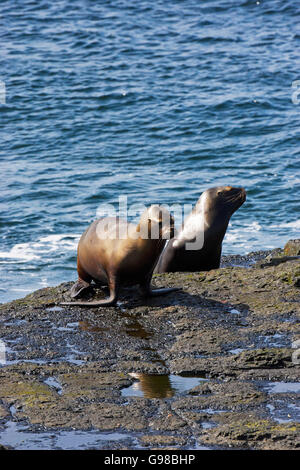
(160, 223)
(223, 200)
(216, 206)
(230, 198)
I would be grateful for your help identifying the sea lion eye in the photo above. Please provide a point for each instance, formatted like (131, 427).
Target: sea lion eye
(220, 192)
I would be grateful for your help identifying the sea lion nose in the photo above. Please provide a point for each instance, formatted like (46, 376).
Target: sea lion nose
(243, 193)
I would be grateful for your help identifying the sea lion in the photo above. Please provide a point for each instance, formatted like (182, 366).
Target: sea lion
(113, 252)
(207, 225)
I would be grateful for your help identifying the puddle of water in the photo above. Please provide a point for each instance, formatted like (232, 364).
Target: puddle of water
(62, 328)
(234, 311)
(134, 328)
(29, 361)
(6, 353)
(74, 324)
(284, 413)
(73, 357)
(200, 447)
(74, 350)
(53, 383)
(237, 351)
(2, 352)
(207, 425)
(277, 340)
(160, 386)
(69, 327)
(121, 306)
(14, 341)
(210, 411)
(275, 414)
(13, 410)
(54, 309)
(15, 323)
(19, 437)
(283, 387)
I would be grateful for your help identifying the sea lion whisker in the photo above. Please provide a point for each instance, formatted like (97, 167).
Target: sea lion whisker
(234, 198)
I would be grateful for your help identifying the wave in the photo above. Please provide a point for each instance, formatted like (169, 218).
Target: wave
(294, 224)
(255, 236)
(24, 252)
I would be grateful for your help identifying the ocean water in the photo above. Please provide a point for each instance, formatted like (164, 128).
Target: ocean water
(156, 101)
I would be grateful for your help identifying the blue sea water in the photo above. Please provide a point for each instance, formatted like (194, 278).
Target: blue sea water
(153, 100)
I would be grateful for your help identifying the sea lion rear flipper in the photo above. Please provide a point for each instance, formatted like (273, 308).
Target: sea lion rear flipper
(147, 290)
(111, 300)
(163, 291)
(78, 287)
(97, 303)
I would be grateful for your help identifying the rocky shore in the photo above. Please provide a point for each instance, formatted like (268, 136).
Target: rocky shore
(215, 365)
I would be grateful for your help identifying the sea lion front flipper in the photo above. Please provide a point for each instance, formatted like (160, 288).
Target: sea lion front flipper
(111, 300)
(78, 287)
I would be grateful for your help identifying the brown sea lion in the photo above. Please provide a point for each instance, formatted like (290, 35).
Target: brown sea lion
(113, 252)
(198, 245)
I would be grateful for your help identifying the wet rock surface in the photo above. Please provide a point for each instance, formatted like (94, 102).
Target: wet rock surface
(292, 247)
(215, 365)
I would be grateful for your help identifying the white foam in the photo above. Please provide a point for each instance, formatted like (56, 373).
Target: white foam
(253, 236)
(24, 252)
(232, 236)
(294, 224)
(21, 251)
(242, 237)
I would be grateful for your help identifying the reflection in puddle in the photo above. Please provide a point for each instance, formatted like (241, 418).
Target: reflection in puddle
(160, 386)
(136, 330)
(86, 326)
